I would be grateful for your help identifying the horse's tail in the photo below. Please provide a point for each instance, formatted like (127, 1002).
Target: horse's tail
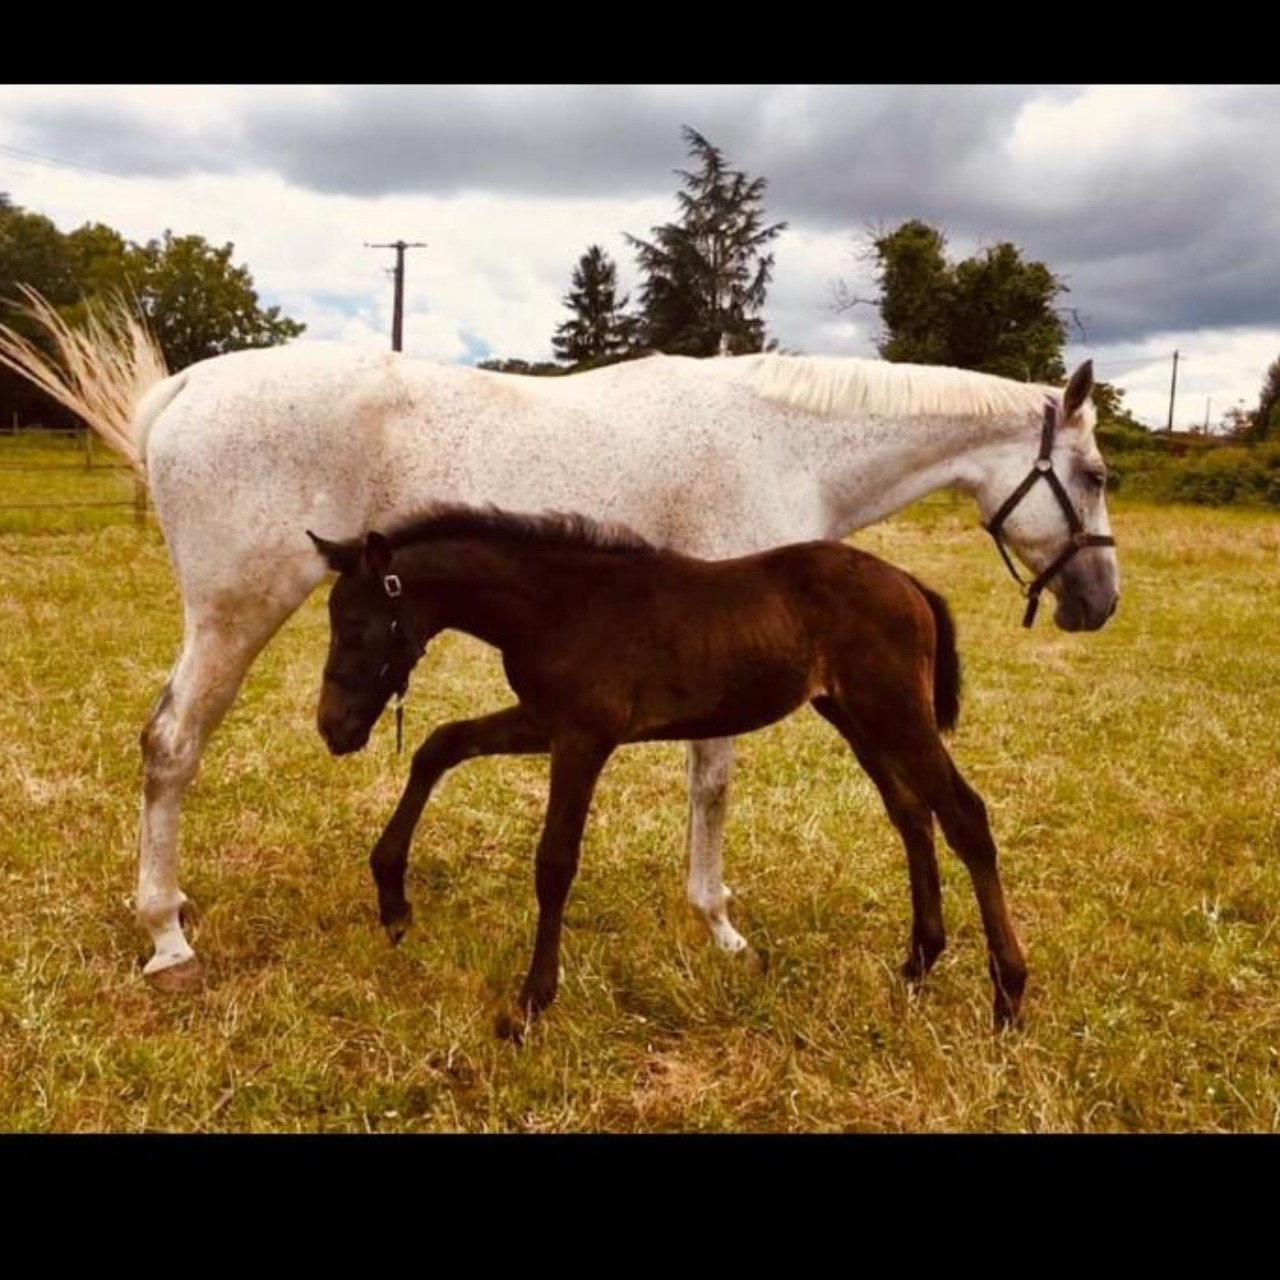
(946, 662)
(100, 371)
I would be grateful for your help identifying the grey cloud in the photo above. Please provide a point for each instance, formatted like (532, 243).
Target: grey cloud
(117, 140)
(1179, 232)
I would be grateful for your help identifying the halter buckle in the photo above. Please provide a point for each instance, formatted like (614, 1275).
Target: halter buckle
(391, 585)
(1044, 464)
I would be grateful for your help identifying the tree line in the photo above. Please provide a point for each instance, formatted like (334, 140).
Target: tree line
(705, 278)
(196, 300)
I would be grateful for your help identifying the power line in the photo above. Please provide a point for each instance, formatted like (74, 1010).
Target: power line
(40, 160)
(56, 162)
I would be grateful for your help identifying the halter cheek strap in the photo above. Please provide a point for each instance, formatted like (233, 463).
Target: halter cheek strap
(401, 624)
(1043, 470)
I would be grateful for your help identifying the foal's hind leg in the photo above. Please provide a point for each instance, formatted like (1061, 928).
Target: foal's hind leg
(905, 747)
(964, 822)
(914, 822)
(506, 733)
(217, 650)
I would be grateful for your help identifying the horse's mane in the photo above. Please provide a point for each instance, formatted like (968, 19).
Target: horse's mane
(550, 528)
(832, 385)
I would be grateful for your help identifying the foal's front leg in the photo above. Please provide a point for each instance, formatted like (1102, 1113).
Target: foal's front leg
(505, 733)
(575, 767)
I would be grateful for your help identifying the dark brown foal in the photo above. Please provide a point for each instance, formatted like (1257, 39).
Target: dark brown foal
(607, 640)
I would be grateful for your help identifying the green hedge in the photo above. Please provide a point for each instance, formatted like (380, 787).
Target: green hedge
(1143, 464)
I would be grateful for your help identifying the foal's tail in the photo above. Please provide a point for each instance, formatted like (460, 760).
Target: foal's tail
(946, 662)
(100, 371)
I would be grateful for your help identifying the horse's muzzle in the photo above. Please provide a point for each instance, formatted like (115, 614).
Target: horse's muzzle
(344, 737)
(1076, 614)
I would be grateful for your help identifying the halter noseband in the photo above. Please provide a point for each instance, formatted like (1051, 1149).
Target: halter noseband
(1043, 469)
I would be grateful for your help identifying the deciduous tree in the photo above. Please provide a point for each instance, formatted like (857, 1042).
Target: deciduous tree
(200, 304)
(994, 311)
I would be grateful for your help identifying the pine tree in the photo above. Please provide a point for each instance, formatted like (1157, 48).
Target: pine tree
(706, 275)
(600, 330)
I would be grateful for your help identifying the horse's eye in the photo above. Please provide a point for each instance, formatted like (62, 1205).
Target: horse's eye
(1096, 479)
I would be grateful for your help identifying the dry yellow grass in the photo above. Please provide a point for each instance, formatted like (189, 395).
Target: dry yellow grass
(1130, 775)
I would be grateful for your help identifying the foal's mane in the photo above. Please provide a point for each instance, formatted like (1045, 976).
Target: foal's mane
(833, 385)
(550, 528)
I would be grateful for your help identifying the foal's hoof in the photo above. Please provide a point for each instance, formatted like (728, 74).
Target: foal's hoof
(399, 925)
(182, 979)
(1007, 1015)
(753, 961)
(1006, 1007)
(920, 959)
(511, 1025)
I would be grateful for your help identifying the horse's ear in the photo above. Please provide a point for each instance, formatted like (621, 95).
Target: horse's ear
(377, 553)
(1078, 390)
(341, 557)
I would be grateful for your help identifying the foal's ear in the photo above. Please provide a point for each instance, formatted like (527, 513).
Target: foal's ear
(1078, 390)
(377, 553)
(341, 557)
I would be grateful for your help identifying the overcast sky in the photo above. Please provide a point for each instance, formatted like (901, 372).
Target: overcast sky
(1159, 206)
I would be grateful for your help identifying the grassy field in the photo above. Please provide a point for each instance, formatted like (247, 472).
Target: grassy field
(59, 483)
(1131, 778)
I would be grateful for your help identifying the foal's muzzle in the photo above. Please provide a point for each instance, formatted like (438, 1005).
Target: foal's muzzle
(343, 737)
(345, 721)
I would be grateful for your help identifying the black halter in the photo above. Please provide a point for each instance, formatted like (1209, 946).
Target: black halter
(1043, 469)
(402, 625)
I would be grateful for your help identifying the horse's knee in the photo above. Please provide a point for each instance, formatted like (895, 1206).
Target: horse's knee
(169, 757)
(968, 831)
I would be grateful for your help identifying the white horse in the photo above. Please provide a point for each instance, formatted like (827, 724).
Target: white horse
(246, 452)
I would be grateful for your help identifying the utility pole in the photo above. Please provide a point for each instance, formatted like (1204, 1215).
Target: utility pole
(1173, 387)
(397, 314)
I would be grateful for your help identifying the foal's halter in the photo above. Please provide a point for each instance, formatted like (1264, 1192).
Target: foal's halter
(1043, 469)
(402, 626)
